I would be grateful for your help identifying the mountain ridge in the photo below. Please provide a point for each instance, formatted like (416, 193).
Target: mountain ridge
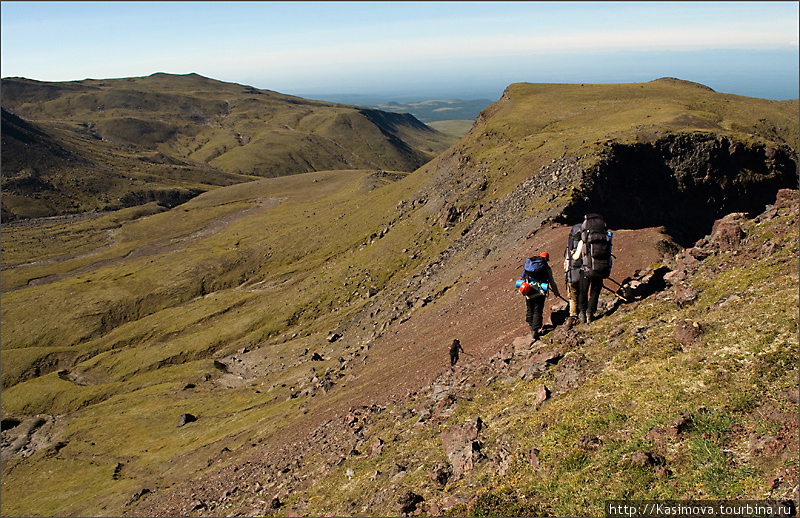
(203, 133)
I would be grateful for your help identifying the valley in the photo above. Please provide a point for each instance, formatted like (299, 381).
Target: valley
(106, 145)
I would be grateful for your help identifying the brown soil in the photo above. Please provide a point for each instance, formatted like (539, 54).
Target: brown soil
(485, 316)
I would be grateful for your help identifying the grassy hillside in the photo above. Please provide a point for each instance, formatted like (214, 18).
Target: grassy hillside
(457, 128)
(535, 123)
(107, 144)
(626, 150)
(265, 309)
(244, 267)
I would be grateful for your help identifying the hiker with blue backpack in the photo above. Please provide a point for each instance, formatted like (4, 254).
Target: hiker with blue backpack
(535, 284)
(594, 253)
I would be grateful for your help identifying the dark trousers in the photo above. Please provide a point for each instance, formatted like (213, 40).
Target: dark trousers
(588, 295)
(535, 310)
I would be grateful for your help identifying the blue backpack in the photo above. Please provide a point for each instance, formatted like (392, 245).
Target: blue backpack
(535, 270)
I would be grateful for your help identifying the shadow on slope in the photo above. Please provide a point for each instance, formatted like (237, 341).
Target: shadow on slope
(683, 182)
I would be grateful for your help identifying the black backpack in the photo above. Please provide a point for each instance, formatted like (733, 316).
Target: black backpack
(535, 270)
(596, 247)
(573, 272)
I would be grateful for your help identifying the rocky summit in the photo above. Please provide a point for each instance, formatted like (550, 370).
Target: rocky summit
(279, 346)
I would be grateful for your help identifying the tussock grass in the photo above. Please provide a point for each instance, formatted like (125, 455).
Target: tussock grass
(154, 307)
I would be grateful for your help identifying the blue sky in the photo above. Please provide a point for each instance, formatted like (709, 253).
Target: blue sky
(406, 49)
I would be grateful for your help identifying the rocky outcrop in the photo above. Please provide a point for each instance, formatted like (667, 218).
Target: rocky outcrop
(407, 503)
(185, 419)
(687, 332)
(462, 446)
(571, 372)
(728, 235)
(440, 474)
(683, 182)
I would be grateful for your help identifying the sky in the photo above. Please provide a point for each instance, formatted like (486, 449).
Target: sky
(409, 50)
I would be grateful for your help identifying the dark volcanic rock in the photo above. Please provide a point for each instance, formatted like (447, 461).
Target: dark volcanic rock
(727, 232)
(687, 332)
(461, 446)
(571, 372)
(684, 182)
(407, 503)
(375, 448)
(533, 458)
(440, 474)
(680, 425)
(646, 459)
(542, 394)
(502, 461)
(685, 295)
(185, 419)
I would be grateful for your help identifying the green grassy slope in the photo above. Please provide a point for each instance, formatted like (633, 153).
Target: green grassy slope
(107, 335)
(140, 136)
(535, 123)
(138, 329)
(50, 170)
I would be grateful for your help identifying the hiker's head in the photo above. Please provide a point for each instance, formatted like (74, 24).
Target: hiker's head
(545, 255)
(455, 342)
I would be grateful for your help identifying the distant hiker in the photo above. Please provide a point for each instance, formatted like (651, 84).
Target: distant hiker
(594, 251)
(455, 347)
(536, 283)
(572, 272)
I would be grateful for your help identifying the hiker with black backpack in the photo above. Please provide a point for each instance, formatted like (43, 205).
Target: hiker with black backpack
(455, 347)
(535, 284)
(572, 272)
(594, 251)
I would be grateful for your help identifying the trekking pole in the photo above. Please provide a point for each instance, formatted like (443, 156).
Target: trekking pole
(615, 282)
(615, 293)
